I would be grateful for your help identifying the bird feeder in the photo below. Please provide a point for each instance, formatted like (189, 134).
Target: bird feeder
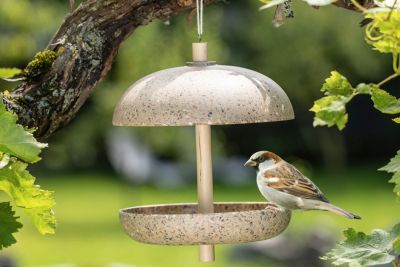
(202, 94)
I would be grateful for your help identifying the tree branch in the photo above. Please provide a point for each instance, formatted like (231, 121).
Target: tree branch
(86, 45)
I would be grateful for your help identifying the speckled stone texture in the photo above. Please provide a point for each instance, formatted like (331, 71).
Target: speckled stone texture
(180, 224)
(201, 94)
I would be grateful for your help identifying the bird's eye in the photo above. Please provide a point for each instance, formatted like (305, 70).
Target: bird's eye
(261, 159)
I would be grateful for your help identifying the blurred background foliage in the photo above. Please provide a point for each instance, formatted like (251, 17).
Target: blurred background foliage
(298, 56)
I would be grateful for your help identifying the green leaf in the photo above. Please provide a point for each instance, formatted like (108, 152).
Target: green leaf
(6, 73)
(15, 140)
(396, 245)
(19, 184)
(396, 120)
(396, 232)
(396, 180)
(330, 111)
(8, 225)
(363, 88)
(337, 84)
(360, 249)
(383, 32)
(393, 165)
(384, 102)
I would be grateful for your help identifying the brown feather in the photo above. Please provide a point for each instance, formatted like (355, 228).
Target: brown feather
(270, 155)
(292, 181)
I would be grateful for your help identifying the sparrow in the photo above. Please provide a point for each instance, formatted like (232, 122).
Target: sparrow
(282, 184)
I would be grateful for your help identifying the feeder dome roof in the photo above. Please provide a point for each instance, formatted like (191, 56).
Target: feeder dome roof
(202, 94)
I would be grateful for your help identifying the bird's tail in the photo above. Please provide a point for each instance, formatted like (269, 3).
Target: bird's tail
(339, 211)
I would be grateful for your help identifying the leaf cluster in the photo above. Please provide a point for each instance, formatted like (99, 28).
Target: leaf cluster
(360, 249)
(330, 110)
(383, 32)
(18, 147)
(394, 167)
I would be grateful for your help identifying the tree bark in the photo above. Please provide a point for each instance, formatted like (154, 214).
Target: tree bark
(86, 45)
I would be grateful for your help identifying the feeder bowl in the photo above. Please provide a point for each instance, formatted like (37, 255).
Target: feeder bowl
(181, 224)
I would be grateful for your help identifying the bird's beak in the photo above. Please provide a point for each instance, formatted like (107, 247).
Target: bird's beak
(250, 163)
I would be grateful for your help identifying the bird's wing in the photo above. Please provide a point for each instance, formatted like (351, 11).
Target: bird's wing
(286, 178)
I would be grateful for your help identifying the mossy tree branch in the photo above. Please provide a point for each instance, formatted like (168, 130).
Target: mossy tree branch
(86, 45)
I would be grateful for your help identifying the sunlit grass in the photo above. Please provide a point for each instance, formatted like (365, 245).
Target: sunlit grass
(89, 233)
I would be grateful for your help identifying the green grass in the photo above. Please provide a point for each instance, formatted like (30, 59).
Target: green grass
(89, 233)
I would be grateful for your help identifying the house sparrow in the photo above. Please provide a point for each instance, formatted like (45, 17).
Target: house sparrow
(282, 184)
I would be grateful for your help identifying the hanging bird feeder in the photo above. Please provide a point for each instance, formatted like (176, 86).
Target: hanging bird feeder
(202, 94)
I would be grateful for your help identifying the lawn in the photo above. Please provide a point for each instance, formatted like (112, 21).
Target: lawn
(89, 233)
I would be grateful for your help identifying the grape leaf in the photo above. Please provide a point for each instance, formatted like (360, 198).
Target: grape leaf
(15, 140)
(337, 84)
(385, 102)
(9, 225)
(9, 72)
(396, 120)
(19, 184)
(393, 165)
(330, 111)
(360, 249)
(396, 180)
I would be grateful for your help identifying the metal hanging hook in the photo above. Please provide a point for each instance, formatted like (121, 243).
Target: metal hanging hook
(199, 7)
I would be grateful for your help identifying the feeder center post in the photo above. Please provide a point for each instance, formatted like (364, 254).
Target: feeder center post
(204, 163)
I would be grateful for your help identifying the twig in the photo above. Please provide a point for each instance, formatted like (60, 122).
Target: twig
(394, 75)
(393, 8)
(360, 7)
(396, 62)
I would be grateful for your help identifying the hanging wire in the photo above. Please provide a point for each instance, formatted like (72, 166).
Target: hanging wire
(199, 7)
(71, 5)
